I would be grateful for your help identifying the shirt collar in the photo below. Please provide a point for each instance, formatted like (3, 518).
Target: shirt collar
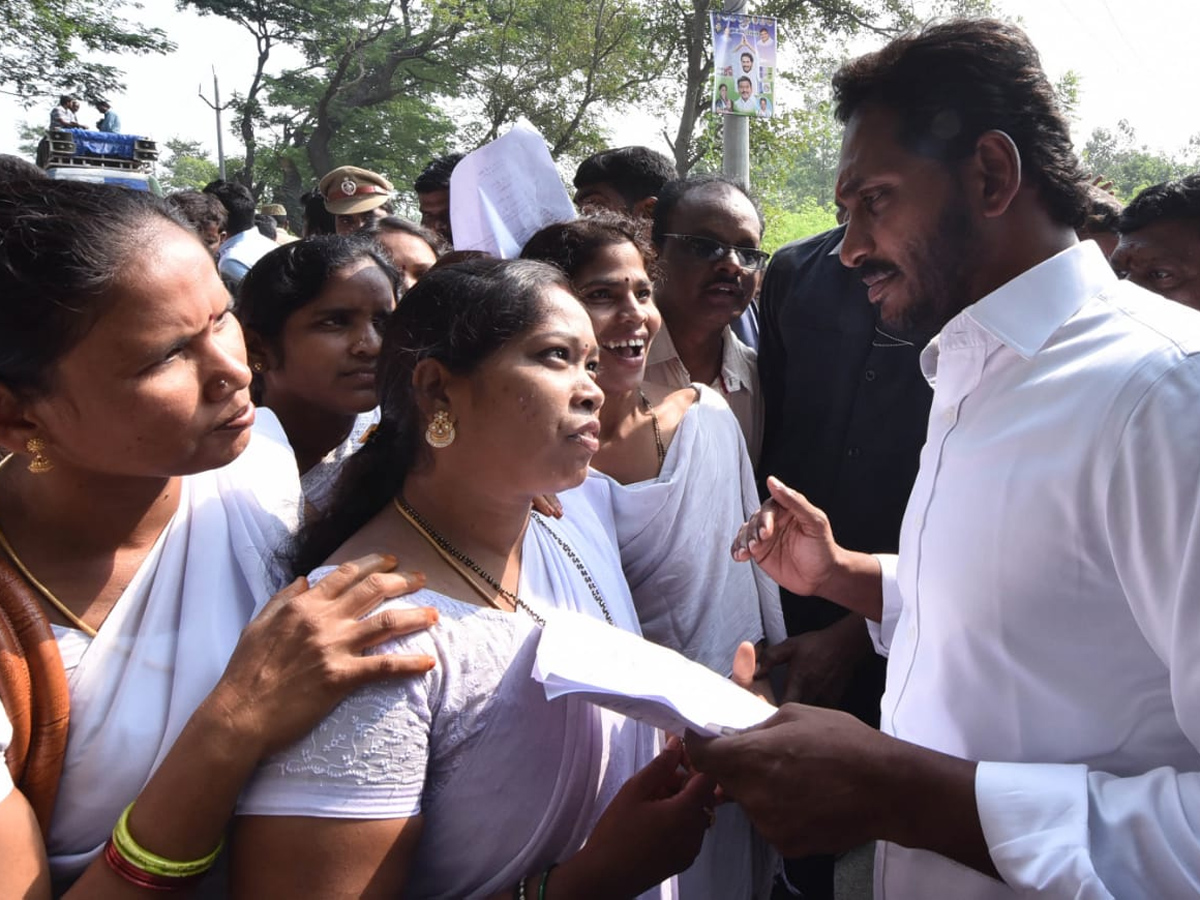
(736, 358)
(1023, 313)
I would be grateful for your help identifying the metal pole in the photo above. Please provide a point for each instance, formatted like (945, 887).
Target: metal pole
(735, 130)
(220, 142)
(217, 108)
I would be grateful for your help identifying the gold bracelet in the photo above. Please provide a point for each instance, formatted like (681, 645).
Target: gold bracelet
(133, 852)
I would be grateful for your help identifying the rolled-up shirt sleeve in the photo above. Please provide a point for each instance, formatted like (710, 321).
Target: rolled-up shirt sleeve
(881, 632)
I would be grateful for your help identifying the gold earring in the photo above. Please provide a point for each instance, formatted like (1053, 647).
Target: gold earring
(440, 432)
(257, 366)
(40, 463)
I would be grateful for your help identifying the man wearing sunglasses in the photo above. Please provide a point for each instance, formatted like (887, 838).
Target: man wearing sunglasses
(707, 232)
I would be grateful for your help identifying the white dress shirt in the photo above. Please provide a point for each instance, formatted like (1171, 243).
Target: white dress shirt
(240, 252)
(1044, 610)
(737, 382)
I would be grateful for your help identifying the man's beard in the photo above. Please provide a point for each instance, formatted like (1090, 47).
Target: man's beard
(937, 272)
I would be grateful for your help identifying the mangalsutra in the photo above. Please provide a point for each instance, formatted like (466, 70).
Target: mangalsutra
(458, 560)
(658, 441)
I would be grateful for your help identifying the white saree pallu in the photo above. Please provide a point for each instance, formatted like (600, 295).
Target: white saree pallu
(674, 534)
(506, 781)
(167, 641)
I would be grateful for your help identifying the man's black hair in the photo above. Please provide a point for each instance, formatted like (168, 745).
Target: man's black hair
(436, 174)
(673, 193)
(14, 168)
(633, 172)
(951, 83)
(1170, 200)
(266, 225)
(317, 219)
(238, 202)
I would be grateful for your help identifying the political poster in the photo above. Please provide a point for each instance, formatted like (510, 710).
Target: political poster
(743, 64)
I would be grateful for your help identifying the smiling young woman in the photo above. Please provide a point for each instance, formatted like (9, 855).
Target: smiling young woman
(676, 472)
(136, 510)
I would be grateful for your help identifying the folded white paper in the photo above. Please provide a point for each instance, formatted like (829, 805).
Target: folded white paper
(504, 192)
(622, 672)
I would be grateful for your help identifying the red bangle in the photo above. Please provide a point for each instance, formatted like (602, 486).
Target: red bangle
(141, 878)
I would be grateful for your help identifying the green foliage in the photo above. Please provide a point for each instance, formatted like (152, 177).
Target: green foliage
(46, 46)
(561, 64)
(786, 225)
(1067, 89)
(1118, 156)
(816, 29)
(29, 135)
(187, 166)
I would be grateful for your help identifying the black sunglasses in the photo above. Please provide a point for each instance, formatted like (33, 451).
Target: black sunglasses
(710, 251)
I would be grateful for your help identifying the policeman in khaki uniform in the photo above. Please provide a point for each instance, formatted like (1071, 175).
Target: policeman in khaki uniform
(356, 197)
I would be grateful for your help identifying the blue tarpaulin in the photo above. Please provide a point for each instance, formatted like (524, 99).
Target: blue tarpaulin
(103, 143)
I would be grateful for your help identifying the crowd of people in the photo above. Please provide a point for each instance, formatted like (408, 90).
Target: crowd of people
(282, 518)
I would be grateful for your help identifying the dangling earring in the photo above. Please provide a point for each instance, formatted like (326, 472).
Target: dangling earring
(40, 463)
(440, 432)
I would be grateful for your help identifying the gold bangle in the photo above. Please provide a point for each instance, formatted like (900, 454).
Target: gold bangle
(153, 863)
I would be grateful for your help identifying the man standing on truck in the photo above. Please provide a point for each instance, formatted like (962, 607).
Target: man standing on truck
(63, 115)
(109, 120)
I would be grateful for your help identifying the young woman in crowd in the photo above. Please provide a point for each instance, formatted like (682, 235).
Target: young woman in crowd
(412, 248)
(136, 512)
(681, 484)
(468, 782)
(313, 314)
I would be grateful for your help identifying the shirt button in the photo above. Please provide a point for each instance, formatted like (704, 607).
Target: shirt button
(854, 452)
(950, 416)
(869, 375)
(912, 631)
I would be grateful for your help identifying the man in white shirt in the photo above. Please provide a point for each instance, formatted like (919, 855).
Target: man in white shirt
(245, 245)
(707, 232)
(1040, 724)
(64, 116)
(744, 102)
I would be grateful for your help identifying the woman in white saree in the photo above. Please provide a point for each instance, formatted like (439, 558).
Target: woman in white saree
(140, 514)
(468, 782)
(680, 483)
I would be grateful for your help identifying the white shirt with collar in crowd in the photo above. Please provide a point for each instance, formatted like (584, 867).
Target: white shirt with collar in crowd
(737, 383)
(1043, 613)
(239, 253)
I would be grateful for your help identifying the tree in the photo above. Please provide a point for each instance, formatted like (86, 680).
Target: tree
(560, 64)
(812, 23)
(47, 49)
(359, 56)
(188, 167)
(1118, 156)
(29, 136)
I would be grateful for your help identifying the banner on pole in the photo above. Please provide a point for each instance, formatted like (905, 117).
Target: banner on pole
(743, 64)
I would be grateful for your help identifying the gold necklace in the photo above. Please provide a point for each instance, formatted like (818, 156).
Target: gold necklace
(37, 585)
(460, 562)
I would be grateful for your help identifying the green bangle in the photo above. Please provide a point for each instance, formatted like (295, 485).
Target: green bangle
(152, 862)
(545, 878)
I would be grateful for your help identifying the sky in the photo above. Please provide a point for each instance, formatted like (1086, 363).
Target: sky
(1135, 60)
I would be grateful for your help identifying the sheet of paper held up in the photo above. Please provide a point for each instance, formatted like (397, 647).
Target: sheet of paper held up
(505, 191)
(622, 672)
